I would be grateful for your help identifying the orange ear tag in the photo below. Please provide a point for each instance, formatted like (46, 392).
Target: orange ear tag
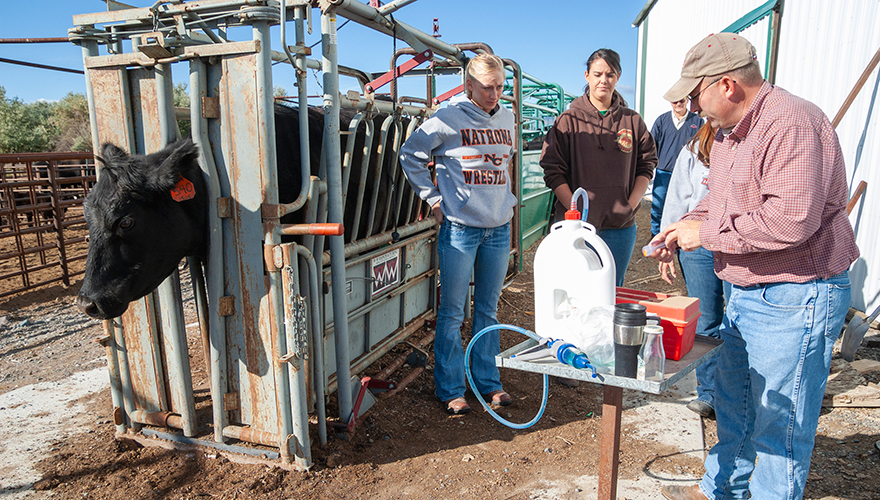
(183, 190)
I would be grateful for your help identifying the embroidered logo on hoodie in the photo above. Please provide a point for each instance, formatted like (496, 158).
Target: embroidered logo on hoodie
(478, 136)
(625, 140)
(484, 177)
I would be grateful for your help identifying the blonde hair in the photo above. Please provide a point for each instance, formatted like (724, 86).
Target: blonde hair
(483, 64)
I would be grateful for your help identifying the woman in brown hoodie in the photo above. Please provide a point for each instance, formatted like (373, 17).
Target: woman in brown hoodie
(604, 147)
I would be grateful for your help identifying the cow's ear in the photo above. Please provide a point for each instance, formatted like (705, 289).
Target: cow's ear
(112, 158)
(182, 154)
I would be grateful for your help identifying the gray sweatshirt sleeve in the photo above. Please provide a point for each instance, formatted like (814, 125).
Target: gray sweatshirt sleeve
(416, 153)
(680, 193)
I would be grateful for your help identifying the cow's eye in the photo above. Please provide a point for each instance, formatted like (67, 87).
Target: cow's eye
(126, 224)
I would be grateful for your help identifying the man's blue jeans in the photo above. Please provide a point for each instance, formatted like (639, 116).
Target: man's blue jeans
(486, 252)
(658, 198)
(769, 384)
(698, 268)
(621, 243)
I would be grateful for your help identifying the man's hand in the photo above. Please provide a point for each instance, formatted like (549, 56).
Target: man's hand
(663, 254)
(438, 214)
(685, 234)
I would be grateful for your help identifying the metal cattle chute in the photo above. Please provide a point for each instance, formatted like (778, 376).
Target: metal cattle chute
(277, 348)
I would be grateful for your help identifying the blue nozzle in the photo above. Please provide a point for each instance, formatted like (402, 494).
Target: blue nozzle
(571, 356)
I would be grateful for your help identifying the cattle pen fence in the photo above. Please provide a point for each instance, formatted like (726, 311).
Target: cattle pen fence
(42, 229)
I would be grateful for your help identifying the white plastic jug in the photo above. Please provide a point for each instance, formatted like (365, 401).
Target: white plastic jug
(573, 268)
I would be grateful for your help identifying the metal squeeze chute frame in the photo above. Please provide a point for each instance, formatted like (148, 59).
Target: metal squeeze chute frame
(269, 326)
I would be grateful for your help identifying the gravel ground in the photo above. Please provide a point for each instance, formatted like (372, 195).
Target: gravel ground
(44, 340)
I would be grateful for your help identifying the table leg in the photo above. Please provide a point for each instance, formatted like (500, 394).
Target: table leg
(609, 447)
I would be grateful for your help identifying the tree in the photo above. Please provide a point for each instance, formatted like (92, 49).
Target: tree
(25, 127)
(181, 100)
(71, 120)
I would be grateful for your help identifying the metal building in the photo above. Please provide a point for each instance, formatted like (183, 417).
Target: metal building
(816, 49)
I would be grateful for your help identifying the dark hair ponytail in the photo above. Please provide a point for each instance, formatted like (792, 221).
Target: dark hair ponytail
(611, 58)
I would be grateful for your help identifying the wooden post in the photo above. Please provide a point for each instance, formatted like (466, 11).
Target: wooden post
(609, 451)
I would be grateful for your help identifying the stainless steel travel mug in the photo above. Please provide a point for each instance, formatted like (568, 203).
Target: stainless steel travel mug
(629, 332)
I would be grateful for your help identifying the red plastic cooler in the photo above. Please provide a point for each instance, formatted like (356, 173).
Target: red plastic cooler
(678, 317)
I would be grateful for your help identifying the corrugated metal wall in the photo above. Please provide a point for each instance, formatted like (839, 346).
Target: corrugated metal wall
(824, 47)
(673, 27)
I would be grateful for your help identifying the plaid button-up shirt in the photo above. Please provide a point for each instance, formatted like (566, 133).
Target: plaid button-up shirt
(776, 209)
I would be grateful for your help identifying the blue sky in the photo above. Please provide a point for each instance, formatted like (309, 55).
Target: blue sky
(550, 40)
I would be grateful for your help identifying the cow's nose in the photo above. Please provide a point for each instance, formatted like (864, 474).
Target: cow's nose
(88, 306)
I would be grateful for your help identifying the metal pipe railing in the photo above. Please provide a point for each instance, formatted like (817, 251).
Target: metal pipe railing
(334, 195)
(298, 61)
(296, 333)
(410, 201)
(268, 164)
(318, 377)
(362, 13)
(349, 153)
(173, 329)
(377, 240)
(380, 168)
(215, 276)
(395, 184)
(124, 371)
(362, 181)
(113, 363)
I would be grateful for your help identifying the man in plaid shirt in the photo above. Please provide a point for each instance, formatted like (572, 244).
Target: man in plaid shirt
(775, 218)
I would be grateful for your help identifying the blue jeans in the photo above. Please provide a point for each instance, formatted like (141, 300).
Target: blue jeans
(698, 268)
(658, 198)
(462, 250)
(621, 243)
(771, 376)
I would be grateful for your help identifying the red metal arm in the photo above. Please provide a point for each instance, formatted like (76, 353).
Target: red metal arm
(442, 97)
(403, 68)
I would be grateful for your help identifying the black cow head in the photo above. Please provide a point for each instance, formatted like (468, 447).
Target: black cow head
(144, 215)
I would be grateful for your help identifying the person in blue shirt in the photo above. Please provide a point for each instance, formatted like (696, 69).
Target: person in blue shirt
(671, 131)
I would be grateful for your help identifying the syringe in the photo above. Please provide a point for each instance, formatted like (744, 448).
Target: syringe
(651, 248)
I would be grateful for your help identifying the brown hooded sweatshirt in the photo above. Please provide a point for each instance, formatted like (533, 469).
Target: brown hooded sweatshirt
(603, 155)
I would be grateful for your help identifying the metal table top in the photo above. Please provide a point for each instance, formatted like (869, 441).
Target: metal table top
(704, 348)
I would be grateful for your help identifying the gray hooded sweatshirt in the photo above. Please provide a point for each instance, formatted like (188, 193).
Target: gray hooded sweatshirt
(471, 151)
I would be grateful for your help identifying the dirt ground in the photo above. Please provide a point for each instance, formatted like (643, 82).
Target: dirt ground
(407, 447)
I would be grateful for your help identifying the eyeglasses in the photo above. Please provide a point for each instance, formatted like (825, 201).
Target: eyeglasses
(696, 97)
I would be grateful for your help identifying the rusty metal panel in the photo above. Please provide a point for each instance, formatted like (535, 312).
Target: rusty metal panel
(235, 353)
(145, 110)
(251, 340)
(110, 108)
(117, 61)
(144, 358)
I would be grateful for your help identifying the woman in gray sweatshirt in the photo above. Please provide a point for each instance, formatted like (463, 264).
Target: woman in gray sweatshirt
(471, 143)
(687, 186)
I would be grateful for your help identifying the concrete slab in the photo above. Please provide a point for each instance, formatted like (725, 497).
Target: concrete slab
(665, 418)
(661, 419)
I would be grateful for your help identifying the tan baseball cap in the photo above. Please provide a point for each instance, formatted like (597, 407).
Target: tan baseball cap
(716, 54)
